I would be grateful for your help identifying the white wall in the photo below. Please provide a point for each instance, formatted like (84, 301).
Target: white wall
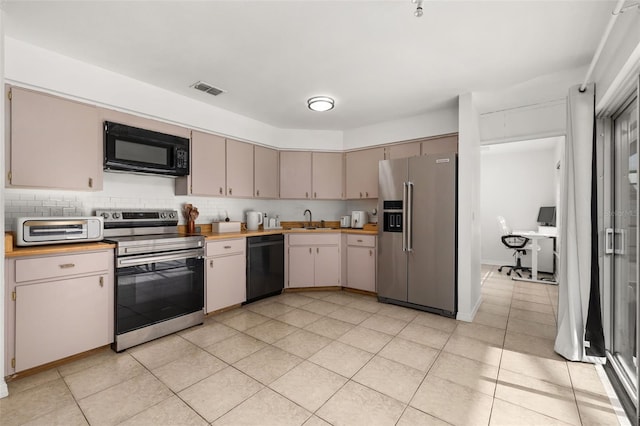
(517, 178)
(124, 190)
(619, 62)
(42, 69)
(428, 124)
(469, 159)
(541, 120)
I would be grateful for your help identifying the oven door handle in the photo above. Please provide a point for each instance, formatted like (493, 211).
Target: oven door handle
(154, 258)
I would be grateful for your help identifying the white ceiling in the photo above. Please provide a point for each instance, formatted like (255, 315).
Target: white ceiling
(375, 58)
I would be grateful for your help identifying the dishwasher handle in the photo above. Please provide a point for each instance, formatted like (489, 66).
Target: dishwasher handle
(266, 243)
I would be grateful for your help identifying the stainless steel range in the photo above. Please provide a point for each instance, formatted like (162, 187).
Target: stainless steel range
(159, 275)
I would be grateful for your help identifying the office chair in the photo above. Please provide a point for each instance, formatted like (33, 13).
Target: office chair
(515, 242)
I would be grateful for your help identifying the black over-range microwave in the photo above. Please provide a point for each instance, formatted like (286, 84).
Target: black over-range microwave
(144, 151)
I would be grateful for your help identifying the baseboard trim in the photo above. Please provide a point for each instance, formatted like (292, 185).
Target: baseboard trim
(4, 390)
(469, 316)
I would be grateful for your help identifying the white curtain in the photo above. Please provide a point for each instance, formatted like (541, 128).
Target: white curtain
(575, 270)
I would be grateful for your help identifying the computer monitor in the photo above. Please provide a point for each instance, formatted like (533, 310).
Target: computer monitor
(547, 216)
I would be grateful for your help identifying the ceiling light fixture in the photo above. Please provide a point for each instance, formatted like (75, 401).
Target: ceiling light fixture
(418, 13)
(320, 103)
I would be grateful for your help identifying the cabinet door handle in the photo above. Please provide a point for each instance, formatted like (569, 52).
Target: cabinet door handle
(310, 250)
(211, 263)
(220, 190)
(359, 241)
(317, 249)
(90, 182)
(361, 195)
(67, 265)
(306, 194)
(101, 281)
(315, 195)
(370, 252)
(230, 191)
(257, 192)
(366, 195)
(227, 247)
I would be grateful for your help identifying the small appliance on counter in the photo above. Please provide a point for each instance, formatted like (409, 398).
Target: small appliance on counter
(254, 220)
(32, 231)
(271, 222)
(221, 227)
(345, 221)
(373, 217)
(358, 219)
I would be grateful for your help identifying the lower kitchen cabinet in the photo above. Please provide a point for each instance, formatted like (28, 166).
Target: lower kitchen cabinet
(301, 266)
(361, 262)
(58, 306)
(225, 273)
(313, 260)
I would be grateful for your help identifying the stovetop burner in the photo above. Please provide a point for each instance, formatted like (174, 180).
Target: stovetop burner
(146, 231)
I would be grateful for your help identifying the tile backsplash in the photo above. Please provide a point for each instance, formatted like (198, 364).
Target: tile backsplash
(122, 190)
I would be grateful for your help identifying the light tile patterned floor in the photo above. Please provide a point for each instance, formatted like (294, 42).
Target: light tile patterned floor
(318, 358)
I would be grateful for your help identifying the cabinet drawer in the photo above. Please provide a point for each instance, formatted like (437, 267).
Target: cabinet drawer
(222, 247)
(361, 240)
(38, 268)
(314, 239)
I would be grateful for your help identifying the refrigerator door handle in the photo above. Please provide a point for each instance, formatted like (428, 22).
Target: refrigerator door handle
(410, 216)
(405, 190)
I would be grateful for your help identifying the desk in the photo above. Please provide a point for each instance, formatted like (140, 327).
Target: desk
(535, 237)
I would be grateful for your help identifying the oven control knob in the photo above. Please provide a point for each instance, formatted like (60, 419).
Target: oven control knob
(105, 215)
(172, 215)
(163, 215)
(116, 215)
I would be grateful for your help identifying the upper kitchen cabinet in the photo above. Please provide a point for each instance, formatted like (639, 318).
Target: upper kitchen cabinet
(440, 145)
(295, 174)
(402, 150)
(52, 142)
(362, 172)
(239, 169)
(327, 175)
(265, 172)
(208, 167)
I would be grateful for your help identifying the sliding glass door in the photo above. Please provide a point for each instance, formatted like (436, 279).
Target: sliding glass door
(623, 247)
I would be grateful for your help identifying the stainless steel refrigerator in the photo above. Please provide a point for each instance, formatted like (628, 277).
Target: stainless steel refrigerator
(417, 251)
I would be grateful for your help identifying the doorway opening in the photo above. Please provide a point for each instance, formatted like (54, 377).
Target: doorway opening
(517, 180)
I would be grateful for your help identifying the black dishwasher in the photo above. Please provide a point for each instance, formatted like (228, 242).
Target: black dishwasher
(265, 266)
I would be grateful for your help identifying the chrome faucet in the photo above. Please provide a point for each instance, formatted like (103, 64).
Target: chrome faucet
(310, 217)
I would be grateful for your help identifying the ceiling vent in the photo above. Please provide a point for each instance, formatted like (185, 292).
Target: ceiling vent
(207, 88)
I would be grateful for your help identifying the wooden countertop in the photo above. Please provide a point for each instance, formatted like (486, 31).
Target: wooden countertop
(57, 249)
(207, 233)
(241, 234)
(288, 228)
